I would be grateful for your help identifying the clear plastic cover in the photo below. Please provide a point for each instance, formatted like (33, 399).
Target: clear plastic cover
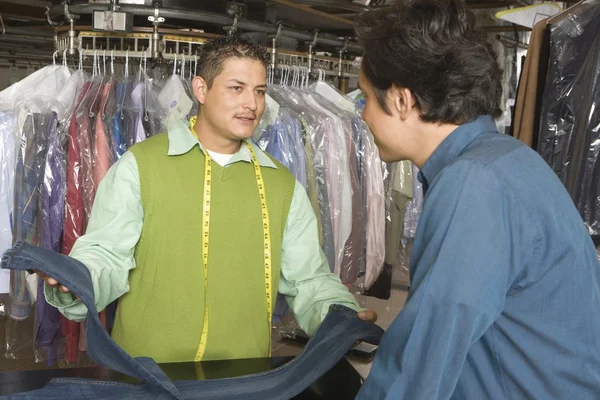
(153, 114)
(283, 140)
(570, 117)
(414, 208)
(33, 126)
(8, 148)
(375, 220)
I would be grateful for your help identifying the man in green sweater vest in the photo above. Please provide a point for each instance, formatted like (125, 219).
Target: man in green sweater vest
(190, 195)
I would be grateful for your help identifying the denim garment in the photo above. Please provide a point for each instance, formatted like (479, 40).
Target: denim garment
(338, 333)
(504, 300)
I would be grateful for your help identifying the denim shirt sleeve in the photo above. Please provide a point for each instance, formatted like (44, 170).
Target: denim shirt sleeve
(306, 280)
(463, 265)
(107, 248)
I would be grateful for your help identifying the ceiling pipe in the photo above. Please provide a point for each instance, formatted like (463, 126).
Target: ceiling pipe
(204, 17)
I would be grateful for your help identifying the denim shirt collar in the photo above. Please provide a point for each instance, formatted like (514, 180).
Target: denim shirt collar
(452, 147)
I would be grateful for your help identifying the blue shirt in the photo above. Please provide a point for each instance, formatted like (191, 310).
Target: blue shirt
(283, 140)
(505, 283)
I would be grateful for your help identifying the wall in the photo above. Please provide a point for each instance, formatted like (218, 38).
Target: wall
(10, 75)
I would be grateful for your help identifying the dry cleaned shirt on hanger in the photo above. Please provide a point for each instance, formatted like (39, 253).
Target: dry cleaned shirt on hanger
(305, 276)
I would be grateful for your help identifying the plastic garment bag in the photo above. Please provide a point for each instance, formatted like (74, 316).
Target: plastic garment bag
(569, 137)
(174, 100)
(375, 211)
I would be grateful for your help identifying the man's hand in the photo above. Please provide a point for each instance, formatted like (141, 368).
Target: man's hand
(368, 315)
(52, 282)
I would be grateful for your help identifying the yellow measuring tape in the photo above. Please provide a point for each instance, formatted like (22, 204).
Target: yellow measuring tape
(206, 236)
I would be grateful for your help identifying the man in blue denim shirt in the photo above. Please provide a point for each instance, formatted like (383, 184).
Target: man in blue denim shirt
(505, 280)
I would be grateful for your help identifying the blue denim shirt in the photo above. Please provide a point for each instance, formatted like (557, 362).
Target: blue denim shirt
(505, 283)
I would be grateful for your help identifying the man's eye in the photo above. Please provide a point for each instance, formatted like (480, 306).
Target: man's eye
(236, 88)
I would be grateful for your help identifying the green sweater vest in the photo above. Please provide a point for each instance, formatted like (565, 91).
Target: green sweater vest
(162, 314)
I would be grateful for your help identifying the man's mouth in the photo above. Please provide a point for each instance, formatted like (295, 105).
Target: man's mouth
(246, 117)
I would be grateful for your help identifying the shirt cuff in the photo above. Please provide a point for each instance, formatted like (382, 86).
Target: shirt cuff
(58, 299)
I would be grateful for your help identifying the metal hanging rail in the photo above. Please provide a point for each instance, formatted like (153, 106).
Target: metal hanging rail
(140, 44)
(60, 11)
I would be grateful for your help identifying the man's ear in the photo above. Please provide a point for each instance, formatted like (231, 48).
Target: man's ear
(402, 99)
(200, 88)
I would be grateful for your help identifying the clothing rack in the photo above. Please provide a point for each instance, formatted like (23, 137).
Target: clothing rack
(174, 46)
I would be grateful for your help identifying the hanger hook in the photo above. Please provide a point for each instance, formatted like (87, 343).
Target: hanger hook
(65, 58)
(183, 66)
(127, 63)
(112, 62)
(233, 28)
(54, 57)
(140, 69)
(175, 65)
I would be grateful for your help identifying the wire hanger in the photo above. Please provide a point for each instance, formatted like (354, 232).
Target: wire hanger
(54, 57)
(281, 79)
(182, 66)
(112, 62)
(96, 66)
(140, 69)
(145, 91)
(175, 65)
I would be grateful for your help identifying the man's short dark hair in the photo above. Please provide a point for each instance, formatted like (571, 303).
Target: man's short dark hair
(213, 55)
(433, 48)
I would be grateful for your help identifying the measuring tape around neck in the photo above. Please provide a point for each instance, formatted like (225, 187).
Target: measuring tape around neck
(206, 203)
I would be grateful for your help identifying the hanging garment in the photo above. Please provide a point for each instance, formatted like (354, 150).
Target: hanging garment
(415, 206)
(47, 83)
(359, 136)
(375, 212)
(74, 216)
(87, 114)
(338, 333)
(53, 193)
(137, 98)
(569, 133)
(8, 148)
(119, 122)
(31, 161)
(103, 157)
(353, 247)
(526, 122)
(283, 140)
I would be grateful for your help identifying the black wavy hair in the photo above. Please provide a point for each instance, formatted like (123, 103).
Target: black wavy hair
(434, 49)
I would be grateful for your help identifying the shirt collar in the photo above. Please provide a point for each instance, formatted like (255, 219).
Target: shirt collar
(454, 145)
(182, 140)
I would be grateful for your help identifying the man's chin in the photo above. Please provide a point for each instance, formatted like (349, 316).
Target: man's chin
(244, 135)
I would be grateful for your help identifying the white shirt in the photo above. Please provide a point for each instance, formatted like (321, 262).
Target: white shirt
(221, 159)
